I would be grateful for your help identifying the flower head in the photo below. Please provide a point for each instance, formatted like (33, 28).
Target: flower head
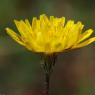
(50, 35)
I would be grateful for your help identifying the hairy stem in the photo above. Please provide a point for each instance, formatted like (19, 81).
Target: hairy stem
(47, 65)
(47, 80)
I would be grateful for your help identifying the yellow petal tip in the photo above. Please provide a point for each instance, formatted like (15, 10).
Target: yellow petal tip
(7, 29)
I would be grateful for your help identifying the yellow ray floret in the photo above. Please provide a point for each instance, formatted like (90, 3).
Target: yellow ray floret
(50, 35)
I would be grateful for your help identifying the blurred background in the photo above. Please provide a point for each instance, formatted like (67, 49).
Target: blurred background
(20, 70)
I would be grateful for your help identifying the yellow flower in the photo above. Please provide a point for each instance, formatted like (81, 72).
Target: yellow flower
(50, 35)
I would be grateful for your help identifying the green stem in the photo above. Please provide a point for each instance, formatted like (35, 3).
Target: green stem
(48, 64)
(47, 80)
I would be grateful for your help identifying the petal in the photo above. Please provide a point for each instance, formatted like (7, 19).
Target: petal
(43, 23)
(34, 23)
(45, 18)
(85, 35)
(59, 22)
(73, 33)
(28, 23)
(24, 29)
(85, 43)
(15, 36)
(17, 23)
(62, 21)
(52, 19)
(67, 32)
(19, 27)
